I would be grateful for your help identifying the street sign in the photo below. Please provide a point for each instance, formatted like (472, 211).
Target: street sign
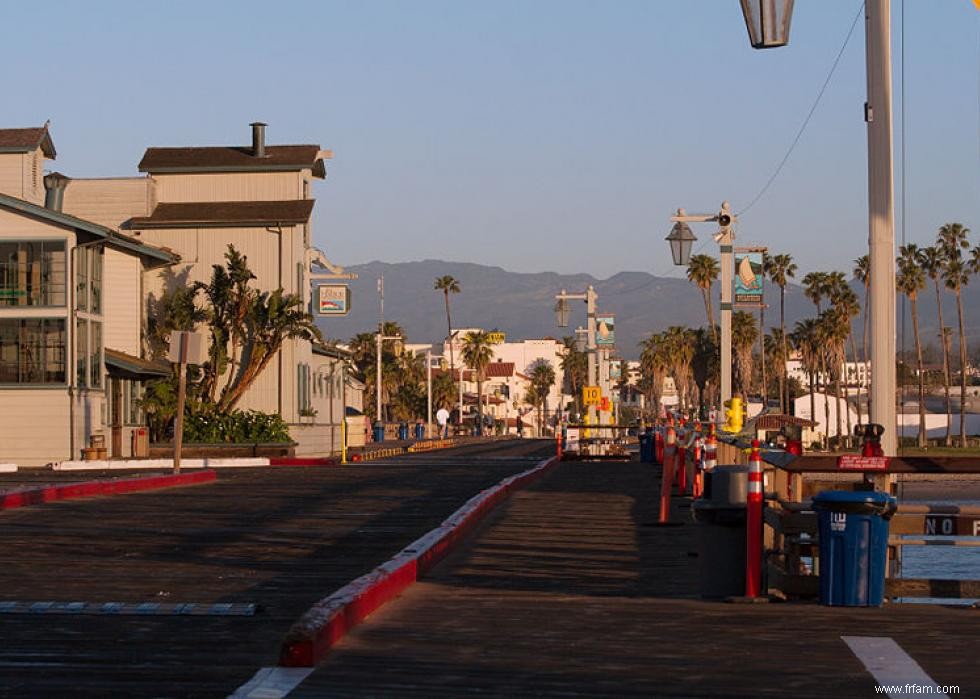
(591, 395)
(186, 348)
(605, 405)
(332, 299)
(856, 462)
(952, 525)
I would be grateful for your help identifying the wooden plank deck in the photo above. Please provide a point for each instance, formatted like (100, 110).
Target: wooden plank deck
(280, 538)
(566, 591)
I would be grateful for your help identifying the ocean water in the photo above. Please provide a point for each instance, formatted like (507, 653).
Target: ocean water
(941, 562)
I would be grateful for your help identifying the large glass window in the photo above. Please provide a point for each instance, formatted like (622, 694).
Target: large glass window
(81, 279)
(95, 283)
(32, 351)
(32, 273)
(81, 353)
(95, 355)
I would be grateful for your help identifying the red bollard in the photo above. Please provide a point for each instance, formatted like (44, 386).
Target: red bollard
(558, 442)
(753, 525)
(670, 449)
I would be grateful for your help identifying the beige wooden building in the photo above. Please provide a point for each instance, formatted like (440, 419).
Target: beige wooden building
(164, 228)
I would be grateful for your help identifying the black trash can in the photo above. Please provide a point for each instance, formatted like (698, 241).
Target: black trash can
(403, 431)
(646, 447)
(419, 430)
(721, 533)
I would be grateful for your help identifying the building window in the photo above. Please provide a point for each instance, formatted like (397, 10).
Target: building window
(132, 397)
(32, 273)
(95, 354)
(95, 281)
(81, 279)
(81, 353)
(32, 351)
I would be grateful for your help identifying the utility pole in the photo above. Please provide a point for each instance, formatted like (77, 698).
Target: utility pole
(428, 393)
(592, 355)
(378, 346)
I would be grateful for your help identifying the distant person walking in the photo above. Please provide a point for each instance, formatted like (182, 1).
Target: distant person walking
(442, 418)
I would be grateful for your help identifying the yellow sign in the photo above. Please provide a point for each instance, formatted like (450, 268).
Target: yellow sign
(496, 338)
(591, 395)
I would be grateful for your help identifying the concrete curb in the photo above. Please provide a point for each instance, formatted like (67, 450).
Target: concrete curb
(329, 620)
(69, 491)
(133, 464)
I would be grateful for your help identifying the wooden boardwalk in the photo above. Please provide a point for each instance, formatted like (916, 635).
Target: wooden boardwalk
(278, 538)
(569, 591)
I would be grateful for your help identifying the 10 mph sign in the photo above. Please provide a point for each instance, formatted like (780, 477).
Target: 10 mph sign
(591, 395)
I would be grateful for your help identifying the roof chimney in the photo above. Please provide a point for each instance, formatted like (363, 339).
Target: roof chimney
(54, 196)
(258, 139)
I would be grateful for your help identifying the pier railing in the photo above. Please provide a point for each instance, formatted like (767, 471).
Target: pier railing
(790, 523)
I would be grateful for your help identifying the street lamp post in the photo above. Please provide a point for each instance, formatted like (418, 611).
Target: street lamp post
(776, 14)
(681, 238)
(562, 312)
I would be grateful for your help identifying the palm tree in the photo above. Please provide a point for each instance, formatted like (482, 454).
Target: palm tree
(477, 353)
(862, 273)
(847, 307)
(703, 271)
(805, 339)
(542, 379)
(448, 284)
(956, 274)
(932, 264)
(910, 280)
(814, 287)
(679, 347)
(654, 365)
(782, 269)
(745, 332)
(575, 368)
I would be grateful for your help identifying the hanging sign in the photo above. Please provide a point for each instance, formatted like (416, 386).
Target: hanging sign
(333, 299)
(749, 277)
(605, 329)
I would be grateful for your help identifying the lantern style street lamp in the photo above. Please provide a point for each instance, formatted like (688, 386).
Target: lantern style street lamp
(767, 22)
(681, 238)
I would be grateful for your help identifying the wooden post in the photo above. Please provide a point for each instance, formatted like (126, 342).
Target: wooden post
(179, 418)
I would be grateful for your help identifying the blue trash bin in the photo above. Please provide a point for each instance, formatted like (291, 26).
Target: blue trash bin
(419, 430)
(379, 431)
(646, 447)
(853, 531)
(403, 431)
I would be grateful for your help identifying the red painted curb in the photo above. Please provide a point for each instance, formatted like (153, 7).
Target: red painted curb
(69, 491)
(329, 620)
(302, 461)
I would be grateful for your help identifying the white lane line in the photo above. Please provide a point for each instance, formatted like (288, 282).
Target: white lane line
(272, 683)
(892, 667)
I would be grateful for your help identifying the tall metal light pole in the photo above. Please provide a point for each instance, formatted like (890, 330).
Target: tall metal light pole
(768, 24)
(561, 310)
(681, 239)
(378, 345)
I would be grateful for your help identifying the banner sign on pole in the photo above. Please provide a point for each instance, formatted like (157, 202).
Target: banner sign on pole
(749, 277)
(333, 299)
(605, 329)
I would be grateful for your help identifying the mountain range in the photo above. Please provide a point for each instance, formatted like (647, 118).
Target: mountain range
(522, 304)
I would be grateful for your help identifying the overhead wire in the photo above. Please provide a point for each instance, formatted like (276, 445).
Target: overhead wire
(669, 268)
(806, 121)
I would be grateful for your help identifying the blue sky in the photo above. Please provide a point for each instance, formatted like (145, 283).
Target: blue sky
(544, 135)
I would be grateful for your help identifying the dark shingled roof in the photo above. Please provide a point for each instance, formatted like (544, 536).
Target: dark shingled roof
(232, 159)
(24, 140)
(226, 214)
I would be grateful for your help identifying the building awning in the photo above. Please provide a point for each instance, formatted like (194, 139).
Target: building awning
(126, 366)
(226, 214)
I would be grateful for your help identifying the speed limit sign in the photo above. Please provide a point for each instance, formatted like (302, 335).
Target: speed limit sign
(591, 395)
